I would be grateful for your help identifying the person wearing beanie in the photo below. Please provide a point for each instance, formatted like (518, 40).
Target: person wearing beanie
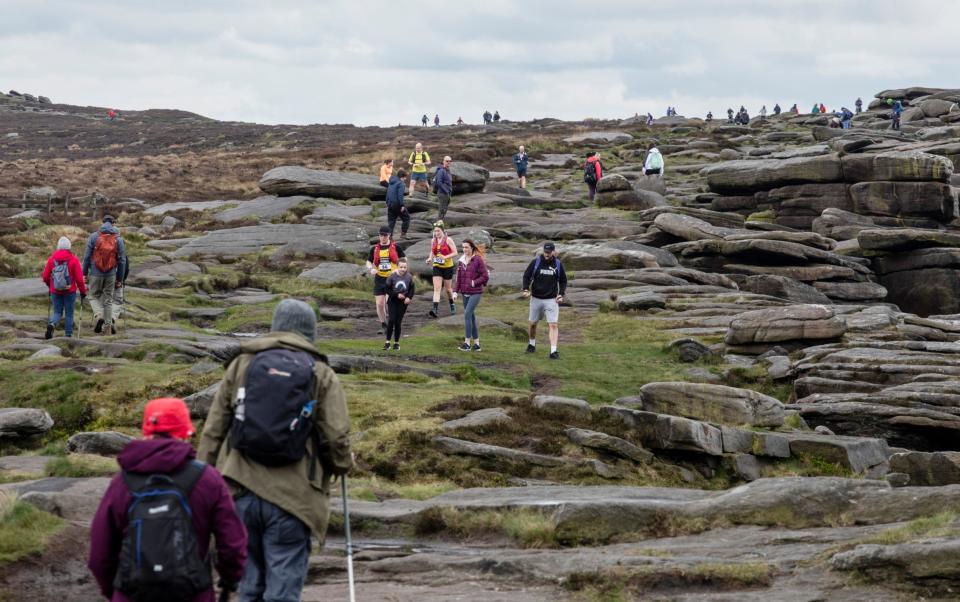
(165, 452)
(284, 501)
(104, 265)
(64, 278)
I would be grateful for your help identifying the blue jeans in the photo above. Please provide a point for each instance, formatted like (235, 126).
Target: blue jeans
(470, 303)
(63, 304)
(278, 550)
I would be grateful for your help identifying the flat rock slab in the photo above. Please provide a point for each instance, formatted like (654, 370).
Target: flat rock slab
(790, 323)
(928, 469)
(263, 207)
(906, 239)
(70, 498)
(478, 419)
(24, 465)
(939, 558)
(857, 454)
(237, 242)
(290, 180)
(712, 403)
(166, 275)
(609, 444)
(103, 443)
(198, 206)
(660, 431)
(496, 452)
(553, 403)
(21, 288)
(609, 137)
(330, 272)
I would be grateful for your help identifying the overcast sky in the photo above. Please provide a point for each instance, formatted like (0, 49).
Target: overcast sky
(385, 62)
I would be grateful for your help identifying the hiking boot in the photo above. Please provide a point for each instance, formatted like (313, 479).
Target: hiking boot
(555, 355)
(49, 333)
(531, 348)
(453, 309)
(386, 346)
(432, 314)
(464, 347)
(396, 346)
(99, 327)
(476, 347)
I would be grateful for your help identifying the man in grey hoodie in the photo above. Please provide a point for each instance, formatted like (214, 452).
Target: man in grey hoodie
(104, 258)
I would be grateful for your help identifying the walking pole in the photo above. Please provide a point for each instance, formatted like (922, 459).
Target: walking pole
(346, 529)
(76, 329)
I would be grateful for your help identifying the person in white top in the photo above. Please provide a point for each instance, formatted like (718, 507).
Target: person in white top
(654, 162)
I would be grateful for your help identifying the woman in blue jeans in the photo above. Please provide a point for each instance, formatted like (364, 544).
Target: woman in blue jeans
(472, 277)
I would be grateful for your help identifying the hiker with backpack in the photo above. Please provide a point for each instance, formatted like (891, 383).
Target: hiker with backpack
(443, 186)
(653, 164)
(278, 432)
(545, 283)
(521, 161)
(776, 109)
(443, 250)
(496, 117)
(63, 275)
(381, 262)
(424, 120)
(592, 173)
(395, 207)
(419, 161)
(472, 278)
(104, 258)
(400, 291)
(896, 110)
(150, 536)
(846, 115)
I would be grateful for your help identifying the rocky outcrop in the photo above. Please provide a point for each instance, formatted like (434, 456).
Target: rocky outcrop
(102, 443)
(291, 180)
(782, 324)
(16, 423)
(710, 403)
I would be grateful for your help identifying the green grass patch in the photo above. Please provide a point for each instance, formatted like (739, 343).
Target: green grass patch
(374, 489)
(613, 584)
(24, 530)
(527, 527)
(80, 466)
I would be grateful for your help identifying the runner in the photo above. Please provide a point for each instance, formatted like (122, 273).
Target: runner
(545, 282)
(400, 288)
(443, 250)
(395, 207)
(418, 161)
(472, 277)
(381, 263)
(592, 173)
(520, 162)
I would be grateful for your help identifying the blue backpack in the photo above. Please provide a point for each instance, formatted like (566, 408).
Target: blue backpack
(60, 277)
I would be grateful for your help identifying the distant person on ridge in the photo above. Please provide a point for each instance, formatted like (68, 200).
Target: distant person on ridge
(487, 117)
(794, 109)
(520, 162)
(815, 110)
(729, 115)
(845, 116)
(823, 108)
(386, 170)
(396, 209)
(111, 115)
(102, 262)
(496, 117)
(436, 121)
(776, 109)
(859, 105)
(709, 116)
(443, 186)
(545, 283)
(171, 528)
(592, 173)
(763, 112)
(419, 161)
(278, 430)
(459, 120)
(424, 120)
(63, 276)
(653, 165)
(381, 262)
(896, 110)
(649, 118)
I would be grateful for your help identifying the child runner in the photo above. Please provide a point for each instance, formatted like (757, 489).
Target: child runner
(400, 290)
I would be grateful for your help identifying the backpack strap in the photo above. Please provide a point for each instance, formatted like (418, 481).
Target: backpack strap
(185, 479)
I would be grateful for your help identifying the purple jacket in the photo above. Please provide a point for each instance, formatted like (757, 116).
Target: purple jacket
(210, 500)
(472, 277)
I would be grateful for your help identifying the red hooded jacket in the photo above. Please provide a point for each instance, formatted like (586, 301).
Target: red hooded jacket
(597, 166)
(212, 505)
(76, 272)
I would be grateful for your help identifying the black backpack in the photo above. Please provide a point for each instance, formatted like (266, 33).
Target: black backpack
(159, 559)
(273, 419)
(589, 173)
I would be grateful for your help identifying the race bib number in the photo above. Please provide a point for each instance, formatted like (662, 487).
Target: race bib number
(384, 266)
(438, 260)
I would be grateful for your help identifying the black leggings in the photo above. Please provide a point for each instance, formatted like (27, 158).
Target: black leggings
(395, 310)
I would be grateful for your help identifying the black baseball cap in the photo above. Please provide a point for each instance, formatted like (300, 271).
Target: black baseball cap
(384, 229)
(549, 246)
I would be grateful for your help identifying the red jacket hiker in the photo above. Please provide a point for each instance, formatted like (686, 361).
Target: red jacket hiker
(76, 272)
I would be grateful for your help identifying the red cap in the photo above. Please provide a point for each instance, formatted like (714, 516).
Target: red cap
(167, 415)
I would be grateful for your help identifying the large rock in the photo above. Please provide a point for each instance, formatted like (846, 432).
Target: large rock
(478, 419)
(928, 469)
(711, 403)
(20, 288)
(687, 227)
(165, 275)
(764, 174)
(807, 201)
(290, 180)
(263, 207)
(790, 323)
(609, 444)
(101, 443)
(237, 242)
(467, 177)
(895, 199)
(613, 137)
(906, 239)
(330, 272)
(23, 422)
(199, 403)
(925, 292)
(934, 559)
(659, 431)
(857, 454)
(611, 256)
(783, 288)
(896, 165)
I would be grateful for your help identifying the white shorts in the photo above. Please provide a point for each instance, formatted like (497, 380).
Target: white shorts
(544, 307)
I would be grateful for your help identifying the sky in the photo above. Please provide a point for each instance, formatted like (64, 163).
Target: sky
(372, 62)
